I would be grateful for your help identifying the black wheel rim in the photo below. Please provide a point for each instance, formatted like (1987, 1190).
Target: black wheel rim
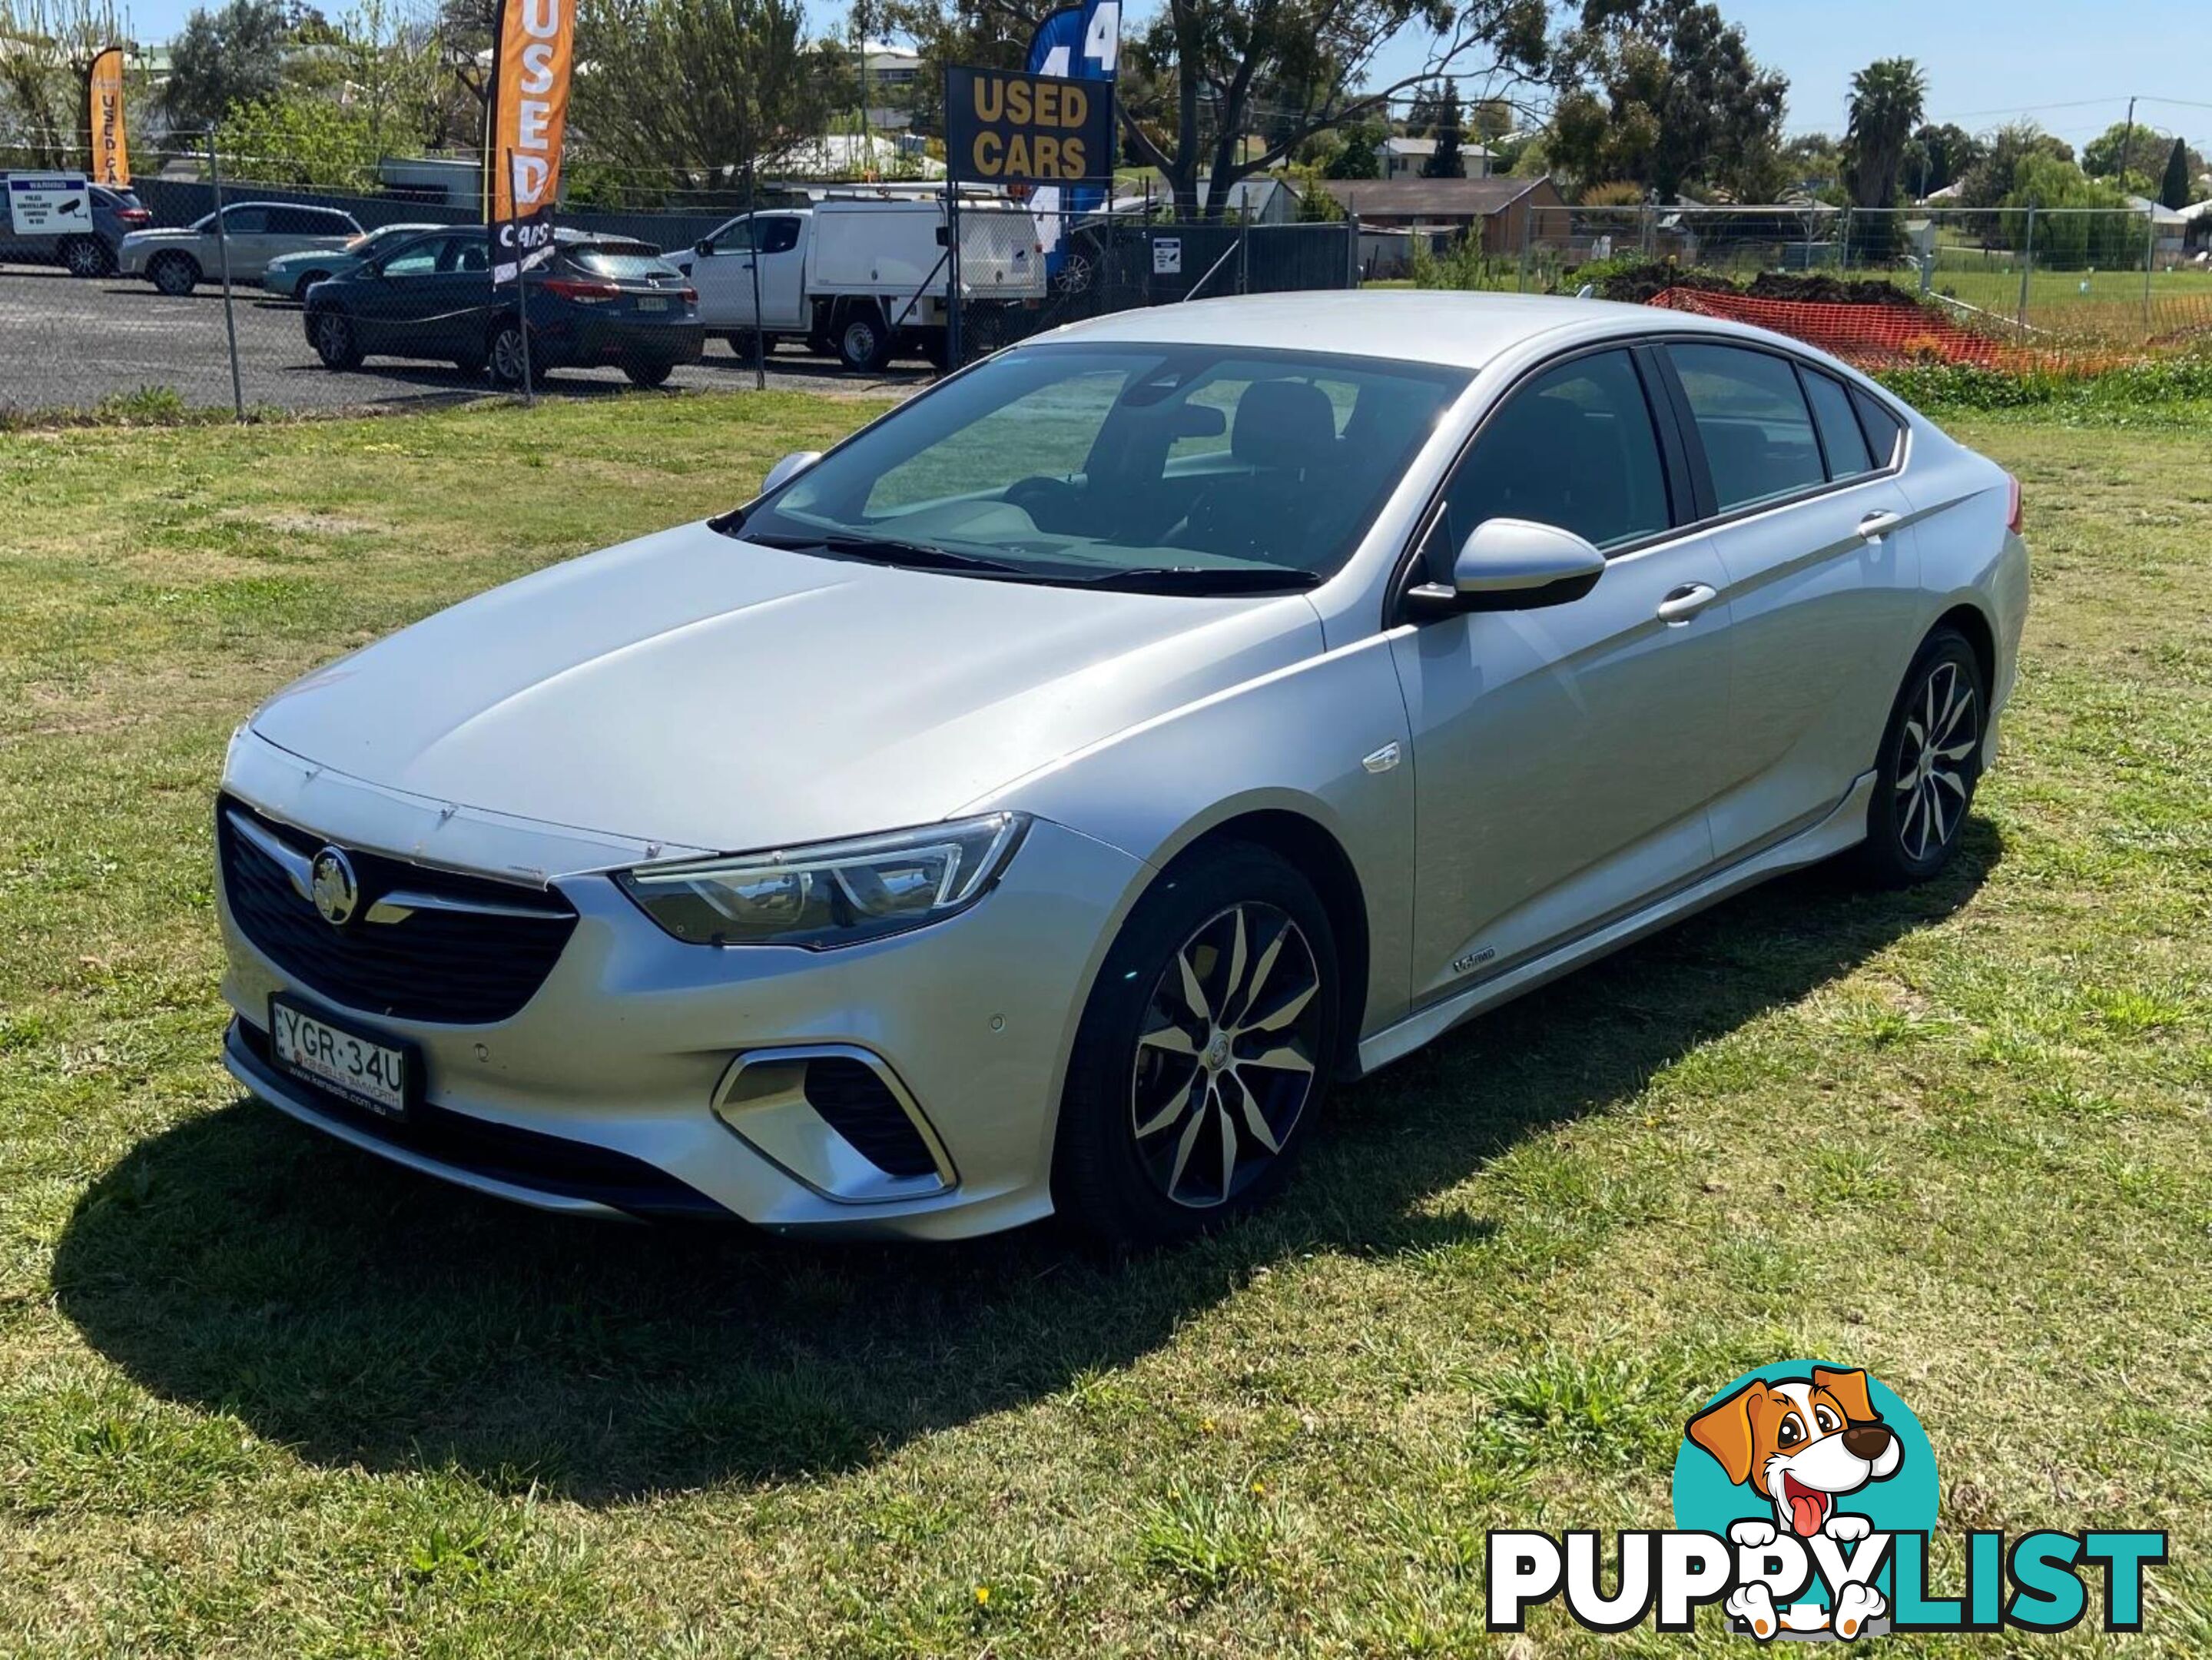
(1934, 773)
(506, 355)
(334, 338)
(1224, 1063)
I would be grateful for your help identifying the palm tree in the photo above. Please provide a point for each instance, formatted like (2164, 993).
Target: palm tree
(1887, 96)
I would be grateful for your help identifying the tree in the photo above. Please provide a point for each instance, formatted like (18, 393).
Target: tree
(1938, 157)
(1358, 158)
(2174, 193)
(2123, 153)
(1664, 93)
(1992, 179)
(234, 56)
(47, 48)
(302, 138)
(1886, 100)
(2070, 241)
(679, 87)
(1192, 79)
(1445, 161)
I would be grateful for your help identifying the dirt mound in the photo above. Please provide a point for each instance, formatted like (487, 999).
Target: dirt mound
(1817, 288)
(1636, 284)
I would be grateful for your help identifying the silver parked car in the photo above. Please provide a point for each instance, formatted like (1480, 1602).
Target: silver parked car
(176, 261)
(1034, 803)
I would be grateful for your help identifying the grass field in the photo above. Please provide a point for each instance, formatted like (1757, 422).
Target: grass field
(262, 1396)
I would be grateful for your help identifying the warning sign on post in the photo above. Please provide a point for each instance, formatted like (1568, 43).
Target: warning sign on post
(1167, 256)
(48, 203)
(1002, 127)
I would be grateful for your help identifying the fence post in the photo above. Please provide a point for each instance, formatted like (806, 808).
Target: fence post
(760, 322)
(1351, 250)
(1844, 252)
(521, 286)
(2150, 258)
(952, 343)
(1243, 252)
(222, 252)
(2026, 262)
(1528, 224)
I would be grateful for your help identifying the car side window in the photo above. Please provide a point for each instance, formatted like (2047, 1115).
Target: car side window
(245, 221)
(466, 255)
(1840, 436)
(416, 259)
(1883, 430)
(1575, 449)
(1752, 421)
(735, 238)
(779, 235)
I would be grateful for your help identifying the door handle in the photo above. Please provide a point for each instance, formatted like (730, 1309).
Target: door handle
(1878, 524)
(1686, 602)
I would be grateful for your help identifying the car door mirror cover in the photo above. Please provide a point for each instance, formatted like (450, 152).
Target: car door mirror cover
(1513, 564)
(788, 469)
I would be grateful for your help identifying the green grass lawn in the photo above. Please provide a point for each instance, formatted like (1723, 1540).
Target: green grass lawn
(261, 1395)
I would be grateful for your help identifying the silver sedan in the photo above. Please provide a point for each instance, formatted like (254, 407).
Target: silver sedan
(1033, 804)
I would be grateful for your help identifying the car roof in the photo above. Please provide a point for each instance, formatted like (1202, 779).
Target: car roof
(1425, 325)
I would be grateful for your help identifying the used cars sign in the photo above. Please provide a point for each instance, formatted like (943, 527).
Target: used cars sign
(1006, 128)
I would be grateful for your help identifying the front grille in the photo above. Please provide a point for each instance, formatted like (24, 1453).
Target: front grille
(501, 1152)
(859, 1106)
(451, 965)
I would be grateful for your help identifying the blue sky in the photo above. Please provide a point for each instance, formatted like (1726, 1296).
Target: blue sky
(1984, 61)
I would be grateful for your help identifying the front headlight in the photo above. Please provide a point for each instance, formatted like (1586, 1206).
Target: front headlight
(834, 893)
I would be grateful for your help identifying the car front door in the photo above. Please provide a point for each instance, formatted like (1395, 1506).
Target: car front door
(246, 230)
(1815, 537)
(404, 298)
(1565, 757)
(782, 263)
(722, 275)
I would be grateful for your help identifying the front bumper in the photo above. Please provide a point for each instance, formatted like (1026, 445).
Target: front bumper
(598, 1096)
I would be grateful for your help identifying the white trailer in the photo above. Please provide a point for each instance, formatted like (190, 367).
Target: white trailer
(859, 275)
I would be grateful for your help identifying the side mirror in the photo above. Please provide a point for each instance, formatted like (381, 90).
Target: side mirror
(788, 469)
(1512, 564)
(704, 247)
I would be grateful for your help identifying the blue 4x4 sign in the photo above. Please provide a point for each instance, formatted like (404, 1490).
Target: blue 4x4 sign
(48, 203)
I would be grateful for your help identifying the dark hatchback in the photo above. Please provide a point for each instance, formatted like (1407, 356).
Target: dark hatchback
(116, 212)
(600, 302)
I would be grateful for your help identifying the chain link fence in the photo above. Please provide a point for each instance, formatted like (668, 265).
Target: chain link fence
(2008, 287)
(202, 289)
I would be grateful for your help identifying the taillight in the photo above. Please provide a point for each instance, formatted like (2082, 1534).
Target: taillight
(584, 294)
(134, 216)
(2015, 516)
(690, 296)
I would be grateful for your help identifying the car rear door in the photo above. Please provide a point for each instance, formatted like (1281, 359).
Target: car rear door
(1816, 539)
(1564, 758)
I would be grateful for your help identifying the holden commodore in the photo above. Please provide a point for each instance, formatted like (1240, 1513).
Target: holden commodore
(1034, 803)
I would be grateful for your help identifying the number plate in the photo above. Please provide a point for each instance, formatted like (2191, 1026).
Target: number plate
(370, 1072)
(652, 304)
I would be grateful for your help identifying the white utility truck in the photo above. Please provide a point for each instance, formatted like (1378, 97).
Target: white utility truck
(859, 275)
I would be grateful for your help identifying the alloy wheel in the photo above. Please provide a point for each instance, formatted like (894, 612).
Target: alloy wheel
(1934, 758)
(1225, 1064)
(507, 356)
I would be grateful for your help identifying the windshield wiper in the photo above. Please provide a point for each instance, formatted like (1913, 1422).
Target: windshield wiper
(1202, 578)
(889, 551)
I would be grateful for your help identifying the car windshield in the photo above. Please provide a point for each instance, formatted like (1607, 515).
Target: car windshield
(1176, 468)
(621, 265)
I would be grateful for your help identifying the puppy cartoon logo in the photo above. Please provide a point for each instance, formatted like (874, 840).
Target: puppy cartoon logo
(1796, 1466)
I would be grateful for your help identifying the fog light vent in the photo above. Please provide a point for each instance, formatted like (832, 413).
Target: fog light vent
(859, 1106)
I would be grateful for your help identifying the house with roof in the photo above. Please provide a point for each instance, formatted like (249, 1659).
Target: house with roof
(1406, 158)
(1498, 211)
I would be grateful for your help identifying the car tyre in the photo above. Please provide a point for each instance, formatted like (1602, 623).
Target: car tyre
(741, 344)
(648, 375)
(336, 342)
(307, 280)
(1204, 1052)
(174, 274)
(87, 256)
(1930, 761)
(864, 344)
(507, 356)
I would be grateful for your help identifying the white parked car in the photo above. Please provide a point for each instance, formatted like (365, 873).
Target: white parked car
(1034, 803)
(860, 277)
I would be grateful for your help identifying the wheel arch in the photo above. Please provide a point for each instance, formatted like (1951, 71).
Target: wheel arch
(1303, 841)
(1971, 621)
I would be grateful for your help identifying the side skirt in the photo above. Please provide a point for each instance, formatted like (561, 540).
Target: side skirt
(1844, 827)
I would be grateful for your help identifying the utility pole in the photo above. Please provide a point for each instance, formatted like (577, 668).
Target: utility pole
(2127, 145)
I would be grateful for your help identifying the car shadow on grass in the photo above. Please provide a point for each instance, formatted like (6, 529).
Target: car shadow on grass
(365, 1316)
